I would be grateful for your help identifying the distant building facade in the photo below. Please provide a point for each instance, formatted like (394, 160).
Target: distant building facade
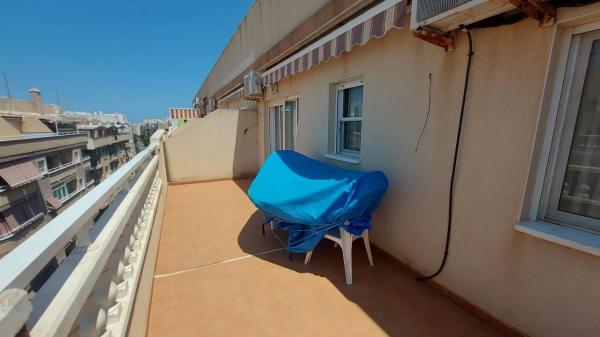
(40, 173)
(33, 106)
(180, 116)
(109, 147)
(49, 158)
(149, 126)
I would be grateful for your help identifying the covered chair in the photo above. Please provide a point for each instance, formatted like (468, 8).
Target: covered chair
(313, 200)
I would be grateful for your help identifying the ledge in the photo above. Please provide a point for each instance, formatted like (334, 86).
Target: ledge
(573, 238)
(346, 159)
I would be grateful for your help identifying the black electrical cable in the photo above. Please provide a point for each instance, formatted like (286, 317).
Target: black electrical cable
(456, 147)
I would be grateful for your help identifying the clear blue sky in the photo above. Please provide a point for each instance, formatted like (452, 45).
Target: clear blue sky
(135, 57)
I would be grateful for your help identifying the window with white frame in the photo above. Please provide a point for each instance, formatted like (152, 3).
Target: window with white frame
(41, 165)
(571, 189)
(61, 192)
(283, 121)
(349, 115)
(77, 155)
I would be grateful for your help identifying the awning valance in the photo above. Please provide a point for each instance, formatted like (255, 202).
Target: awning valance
(375, 22)
(184, 113)
(20, 173)
(52, 201)
(233, 95)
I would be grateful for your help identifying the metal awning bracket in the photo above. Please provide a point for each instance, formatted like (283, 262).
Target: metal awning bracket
(539, 10)
(436, 37)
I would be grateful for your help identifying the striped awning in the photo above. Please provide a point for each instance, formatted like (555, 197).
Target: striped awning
(233, 95)
(373, 23)
(184, 113)
(19, 173)
(52, 201)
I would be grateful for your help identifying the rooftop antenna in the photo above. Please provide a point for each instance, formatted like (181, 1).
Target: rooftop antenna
(59, 111)
(7, 89)
(6, 84)
(58, 100)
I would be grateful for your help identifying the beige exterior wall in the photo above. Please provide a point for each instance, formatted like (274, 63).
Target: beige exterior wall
(267, 22)
(34, 125)
(7, 130)
(221, 145)
(540, 288)
(17, 105)
(38, 145)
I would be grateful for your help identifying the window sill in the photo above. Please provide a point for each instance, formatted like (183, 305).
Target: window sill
(345, 159)
(565, 236)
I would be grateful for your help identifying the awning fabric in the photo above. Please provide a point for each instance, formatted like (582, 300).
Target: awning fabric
(233, 95)
(52, 201)
(184, 113)
(20, 173)
(373, 23)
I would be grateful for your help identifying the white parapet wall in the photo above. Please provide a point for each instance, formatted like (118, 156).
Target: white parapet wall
(222, 145)
(92, 291)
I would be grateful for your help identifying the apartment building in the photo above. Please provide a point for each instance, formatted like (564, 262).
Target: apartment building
(110, 141)
(108, 146)
(40, 173)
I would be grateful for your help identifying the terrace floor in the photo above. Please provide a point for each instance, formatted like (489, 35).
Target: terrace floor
(216, 275)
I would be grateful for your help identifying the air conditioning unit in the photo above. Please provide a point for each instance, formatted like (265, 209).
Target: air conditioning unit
(253, 86)
(448, 15)
(212, 104)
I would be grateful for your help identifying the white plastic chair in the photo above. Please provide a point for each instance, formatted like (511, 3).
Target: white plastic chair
(345, 241)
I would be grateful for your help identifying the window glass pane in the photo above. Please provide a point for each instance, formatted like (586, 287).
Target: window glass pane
(60, 192)
(581, 185)
(41, 165)
(290, 122)
(353, 102)
(350, 135)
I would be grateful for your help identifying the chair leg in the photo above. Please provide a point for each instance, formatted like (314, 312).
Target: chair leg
(347, 253)
(365, 237)
(307, 258)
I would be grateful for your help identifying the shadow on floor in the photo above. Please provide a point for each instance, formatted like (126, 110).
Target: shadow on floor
(386, 292)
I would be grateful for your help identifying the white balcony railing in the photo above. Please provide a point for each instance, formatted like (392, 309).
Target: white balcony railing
(92, 291)
(22, 226)
(64, 166)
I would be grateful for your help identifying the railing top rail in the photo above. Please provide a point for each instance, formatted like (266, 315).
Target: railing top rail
(26, 260)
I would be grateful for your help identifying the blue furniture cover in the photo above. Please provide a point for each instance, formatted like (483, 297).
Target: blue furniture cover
(310, 198)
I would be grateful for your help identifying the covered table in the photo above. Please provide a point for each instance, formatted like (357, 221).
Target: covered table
(310, 198)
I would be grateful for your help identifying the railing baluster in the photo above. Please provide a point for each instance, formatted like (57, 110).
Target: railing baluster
(92, 320)
(15, 308)
(83, 236)
(93, 290)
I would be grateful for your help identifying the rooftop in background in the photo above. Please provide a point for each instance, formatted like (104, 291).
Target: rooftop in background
(35, 107)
